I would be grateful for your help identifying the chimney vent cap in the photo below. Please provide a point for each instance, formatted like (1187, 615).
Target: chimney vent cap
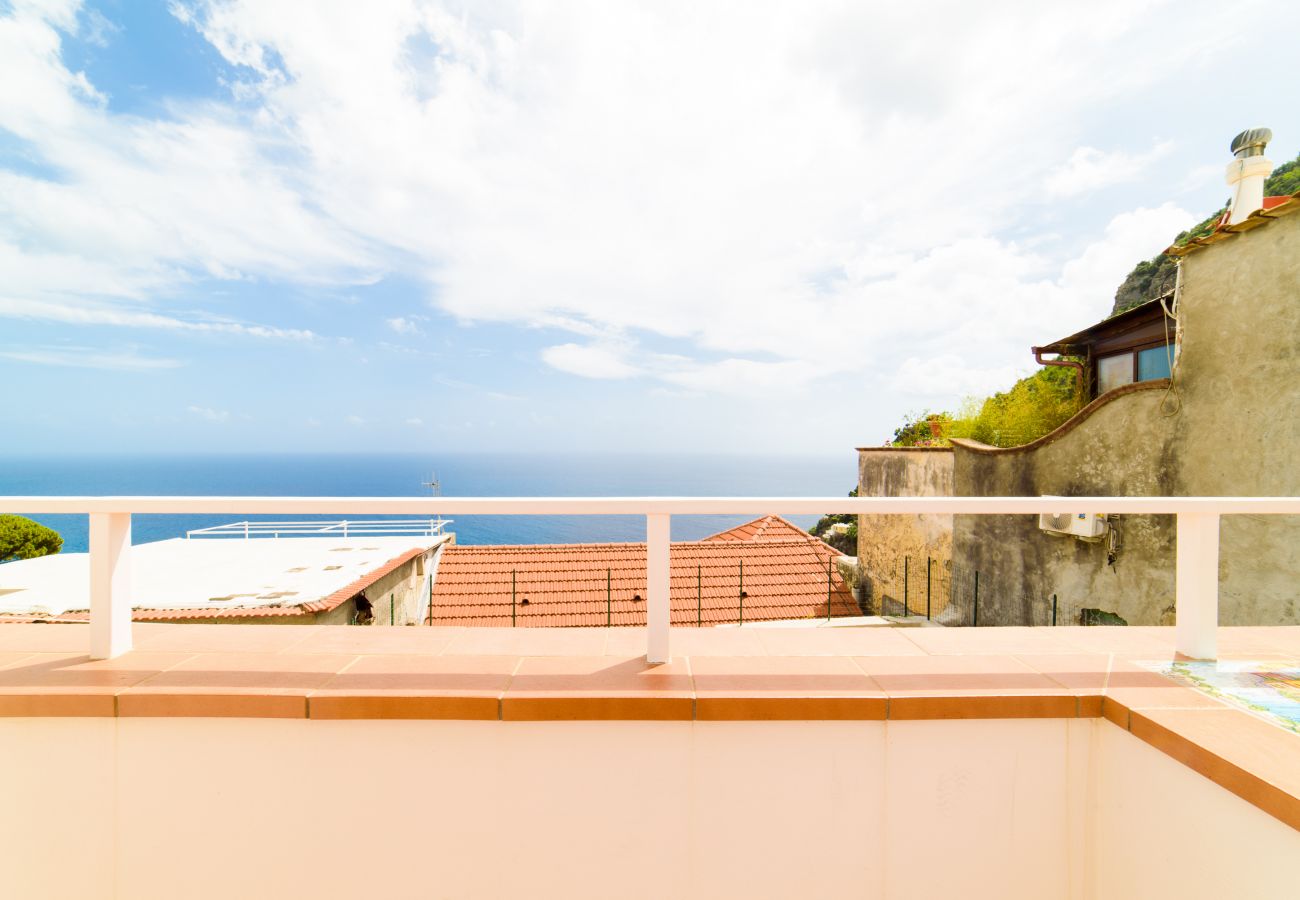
(1251, 142)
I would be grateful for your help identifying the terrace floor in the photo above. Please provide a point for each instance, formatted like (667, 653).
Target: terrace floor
(333, 672)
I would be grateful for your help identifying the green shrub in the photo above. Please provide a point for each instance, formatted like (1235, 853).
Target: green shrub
(24, 539)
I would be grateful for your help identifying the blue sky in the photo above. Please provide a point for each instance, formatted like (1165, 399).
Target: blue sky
(734, 227)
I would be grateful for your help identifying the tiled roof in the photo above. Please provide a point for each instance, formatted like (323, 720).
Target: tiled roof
(594, 584)
(770, 528)
(1273, 208)
(305, 609)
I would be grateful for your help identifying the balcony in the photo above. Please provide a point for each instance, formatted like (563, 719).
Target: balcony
(315, 761)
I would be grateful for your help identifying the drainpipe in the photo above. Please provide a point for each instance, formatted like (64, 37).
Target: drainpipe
(1077, 366)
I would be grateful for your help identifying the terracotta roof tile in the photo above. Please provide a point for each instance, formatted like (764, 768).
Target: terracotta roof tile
(555, 585)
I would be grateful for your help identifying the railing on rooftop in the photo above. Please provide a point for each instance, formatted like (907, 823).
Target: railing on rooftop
(340, 528)
(1196, 568)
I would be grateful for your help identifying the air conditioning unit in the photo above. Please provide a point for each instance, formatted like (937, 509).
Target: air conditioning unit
(1085, 526)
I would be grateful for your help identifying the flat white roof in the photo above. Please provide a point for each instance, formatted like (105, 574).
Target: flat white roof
(208, 573)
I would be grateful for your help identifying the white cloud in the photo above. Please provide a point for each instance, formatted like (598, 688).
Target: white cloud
(415, 422)
(209, 414)
(90, 358)
(405, 324)
(355, 421)
(589, 361)
(703, 197)
(1089, 169)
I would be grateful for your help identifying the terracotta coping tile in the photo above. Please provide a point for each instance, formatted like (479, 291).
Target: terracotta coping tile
(600, 687)
(1253, 759)
(865, 641)
(234, 684)
(967, 687)
(377, 640)
(35, 638)
(975, 641)
(772, 688)
(207, 638)
(1137, 687)
(528, 642)
(415, 687)
(67, 684)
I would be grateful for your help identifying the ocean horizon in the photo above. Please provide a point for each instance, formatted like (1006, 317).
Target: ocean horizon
(405, 475)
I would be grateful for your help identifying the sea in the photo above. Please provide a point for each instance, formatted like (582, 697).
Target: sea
(408, 475)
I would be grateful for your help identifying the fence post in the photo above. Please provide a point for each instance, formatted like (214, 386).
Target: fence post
(1196, 585)
(609, 598)
(1053, 609)
(512, 598)
(906, 606)
(742, 592)
(975, 616)
(927, 588)
(828, 590)
(110, 584)
(658, 585)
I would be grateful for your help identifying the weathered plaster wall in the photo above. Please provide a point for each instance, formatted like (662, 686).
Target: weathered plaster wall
(884, 540)
(1123, 448)
(399, 598)
(1228, 429)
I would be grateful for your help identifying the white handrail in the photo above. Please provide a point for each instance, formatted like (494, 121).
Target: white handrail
(1196, 576)
(709, 506)
(343, 527)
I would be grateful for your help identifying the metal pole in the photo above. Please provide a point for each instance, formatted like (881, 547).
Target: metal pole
(928, 561)
(609, 609)
(828, 590)
(906, 609)
(699, 596)
(512, 598)
(976, 616)
(392, 611)
(742, 592)
(1053, 609)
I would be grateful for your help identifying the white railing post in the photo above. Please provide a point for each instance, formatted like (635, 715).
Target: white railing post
(658, 586)
(110, 584)
(1196, 587)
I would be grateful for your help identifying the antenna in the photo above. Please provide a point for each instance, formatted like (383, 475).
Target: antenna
(435, 487)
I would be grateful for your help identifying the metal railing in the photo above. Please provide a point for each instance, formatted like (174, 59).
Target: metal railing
(339, 528)
(1196, 567)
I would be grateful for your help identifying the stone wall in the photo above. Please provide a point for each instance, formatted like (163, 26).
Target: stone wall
(884, 541)
(1226, 427)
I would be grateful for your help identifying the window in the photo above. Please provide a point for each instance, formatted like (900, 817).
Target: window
(1120, 369)
(1114, 371)
(1154, 363)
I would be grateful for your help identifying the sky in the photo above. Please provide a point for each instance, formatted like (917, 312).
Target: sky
(728, 227)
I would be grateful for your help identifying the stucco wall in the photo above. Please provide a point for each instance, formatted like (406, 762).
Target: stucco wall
(883, 541)
(1229, 428)
(1039, 809)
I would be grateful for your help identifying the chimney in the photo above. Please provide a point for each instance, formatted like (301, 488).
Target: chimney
(1246, 173)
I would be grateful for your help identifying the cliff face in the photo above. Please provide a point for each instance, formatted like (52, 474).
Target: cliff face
(1153, 277)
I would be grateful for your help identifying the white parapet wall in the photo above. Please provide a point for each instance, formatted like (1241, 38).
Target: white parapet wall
(217, 808)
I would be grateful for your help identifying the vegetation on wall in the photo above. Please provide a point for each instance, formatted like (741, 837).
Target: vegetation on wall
(1034, 406)
(847, 542)
(22, 538)
(1155, 277)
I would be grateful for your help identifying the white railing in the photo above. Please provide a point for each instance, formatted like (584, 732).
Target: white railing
(1196, 570)
(340, 528)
